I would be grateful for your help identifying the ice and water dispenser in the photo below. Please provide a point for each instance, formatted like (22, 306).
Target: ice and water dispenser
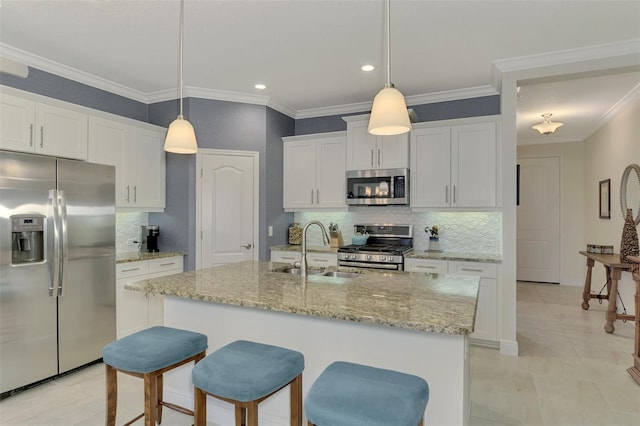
(27, 234)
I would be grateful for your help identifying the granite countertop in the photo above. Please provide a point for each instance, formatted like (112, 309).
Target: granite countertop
(459, 256)
(409, 300)
(310, 249)
(137, 256)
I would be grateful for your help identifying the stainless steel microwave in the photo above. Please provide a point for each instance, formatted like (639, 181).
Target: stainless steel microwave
(378, 187)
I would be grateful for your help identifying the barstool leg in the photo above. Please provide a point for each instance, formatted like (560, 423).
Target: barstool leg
(240, 415)
(159, 383)
(421, 422)
(150, 399)
(112, 394)
(296, 401)
(252, 414)
(200, 407)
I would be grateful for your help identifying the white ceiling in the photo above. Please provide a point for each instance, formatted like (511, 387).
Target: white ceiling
(309, 52)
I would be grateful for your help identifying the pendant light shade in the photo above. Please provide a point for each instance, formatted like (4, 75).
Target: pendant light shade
(181, 138)
(389, 115)
(547, 126)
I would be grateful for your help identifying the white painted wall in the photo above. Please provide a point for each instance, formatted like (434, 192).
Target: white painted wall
(607, 153)
(572, 212)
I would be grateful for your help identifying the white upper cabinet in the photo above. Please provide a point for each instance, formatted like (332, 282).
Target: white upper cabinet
(136, 152)
(455, 165)
(34, 127)
(314, 171)
(366, 151)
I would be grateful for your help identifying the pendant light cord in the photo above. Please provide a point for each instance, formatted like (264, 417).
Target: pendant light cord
(181, 43)
(388, 43)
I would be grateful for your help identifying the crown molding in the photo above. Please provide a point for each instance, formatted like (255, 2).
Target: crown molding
(559, 57)
(65, 71)
(611, 113)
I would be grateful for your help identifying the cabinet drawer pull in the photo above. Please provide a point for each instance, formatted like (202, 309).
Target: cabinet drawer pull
(470, 270)
(130, 270)
(288, 258)
(424, 267)
(167, 264)
(320, 260)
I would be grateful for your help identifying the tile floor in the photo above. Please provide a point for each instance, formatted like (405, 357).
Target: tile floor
(569, 372)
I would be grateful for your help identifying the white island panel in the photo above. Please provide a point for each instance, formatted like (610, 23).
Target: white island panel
(441, 359)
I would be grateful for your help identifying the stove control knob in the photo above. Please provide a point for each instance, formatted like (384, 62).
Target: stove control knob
(368, 257)
(353, 256)
(383, 258)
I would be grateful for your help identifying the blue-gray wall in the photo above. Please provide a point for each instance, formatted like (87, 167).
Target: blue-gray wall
(223, 125)
(53, 86)
(462, 108)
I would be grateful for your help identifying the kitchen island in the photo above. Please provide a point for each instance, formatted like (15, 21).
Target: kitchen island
(417, 323)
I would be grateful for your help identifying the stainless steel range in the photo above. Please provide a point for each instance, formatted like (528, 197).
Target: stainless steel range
(385, 248)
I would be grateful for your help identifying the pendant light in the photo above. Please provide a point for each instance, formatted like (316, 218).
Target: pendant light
(546, 127)
(389, 115)
(181, 138)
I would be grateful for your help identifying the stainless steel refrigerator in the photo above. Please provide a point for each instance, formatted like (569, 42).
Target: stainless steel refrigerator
(57, 266)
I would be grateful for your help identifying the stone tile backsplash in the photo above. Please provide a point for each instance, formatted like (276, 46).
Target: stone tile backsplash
(128, 229)
(478, 232)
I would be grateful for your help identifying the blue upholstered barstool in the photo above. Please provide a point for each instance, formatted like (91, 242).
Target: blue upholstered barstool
(244, 374)
(348, 394)
(148, 354)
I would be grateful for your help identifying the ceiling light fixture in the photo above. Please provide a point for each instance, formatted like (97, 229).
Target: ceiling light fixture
(181, 138)
(260, 86)
(367, 68)
(389, 115)
(546, 127)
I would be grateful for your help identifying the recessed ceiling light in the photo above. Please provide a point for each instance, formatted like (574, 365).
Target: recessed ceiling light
(260, 86)
(368, 68)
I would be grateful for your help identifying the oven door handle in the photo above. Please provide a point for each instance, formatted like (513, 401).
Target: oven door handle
(372, 265)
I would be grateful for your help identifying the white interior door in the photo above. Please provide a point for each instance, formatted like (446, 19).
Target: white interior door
(228, 207)
(538, 242)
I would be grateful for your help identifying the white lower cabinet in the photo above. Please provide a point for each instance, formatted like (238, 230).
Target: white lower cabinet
(314, 259)
(486, 325)
(136, 310)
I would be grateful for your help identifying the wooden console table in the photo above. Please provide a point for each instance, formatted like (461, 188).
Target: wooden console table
(635, 370)
(614, 270)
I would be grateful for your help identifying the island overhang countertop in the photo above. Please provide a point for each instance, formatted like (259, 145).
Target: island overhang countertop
(437, 303)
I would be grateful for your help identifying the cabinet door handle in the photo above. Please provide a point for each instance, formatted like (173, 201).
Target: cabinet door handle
(130, 270)
(446, 194)
(31, 134)
(127, 193)
(312, 196)
(454, 193)
(378, 156)
(371, 158)
(135, 193)
(41, 136)
(317, 196)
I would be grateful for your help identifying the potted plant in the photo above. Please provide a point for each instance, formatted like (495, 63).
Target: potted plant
(434, 238)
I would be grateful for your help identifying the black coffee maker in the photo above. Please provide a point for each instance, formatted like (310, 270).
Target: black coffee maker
(150, 235)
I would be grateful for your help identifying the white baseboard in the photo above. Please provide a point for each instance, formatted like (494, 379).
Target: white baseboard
(509, 347)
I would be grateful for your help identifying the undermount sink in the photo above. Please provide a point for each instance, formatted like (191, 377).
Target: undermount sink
(338, 274)
(292, 271)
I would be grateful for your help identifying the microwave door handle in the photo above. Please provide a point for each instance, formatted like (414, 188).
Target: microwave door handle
(54, 264)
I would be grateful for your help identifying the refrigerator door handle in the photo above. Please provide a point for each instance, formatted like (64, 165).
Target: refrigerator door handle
(65, 243)
(54, 266)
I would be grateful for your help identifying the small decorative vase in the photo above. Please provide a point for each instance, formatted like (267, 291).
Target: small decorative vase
(629, 243)
(434, 244)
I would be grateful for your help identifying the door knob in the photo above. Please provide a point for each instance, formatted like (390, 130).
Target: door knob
(248, 246)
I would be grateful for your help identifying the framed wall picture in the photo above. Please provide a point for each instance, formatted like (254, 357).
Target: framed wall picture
(605, 199)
